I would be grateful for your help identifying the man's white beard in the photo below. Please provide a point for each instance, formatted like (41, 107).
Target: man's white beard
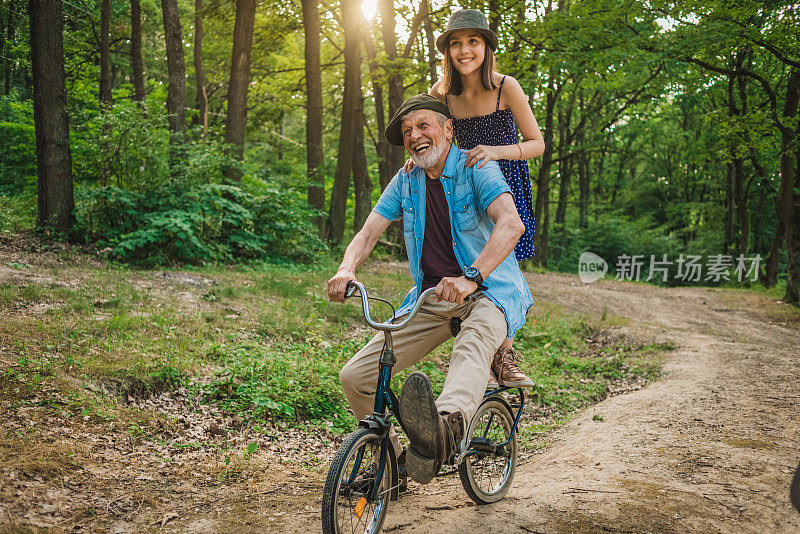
(430, 157)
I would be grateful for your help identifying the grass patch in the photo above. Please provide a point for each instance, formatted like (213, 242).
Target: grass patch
(265, 344)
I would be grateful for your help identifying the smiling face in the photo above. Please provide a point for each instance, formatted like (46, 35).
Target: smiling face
(425, 138)
(467, 50)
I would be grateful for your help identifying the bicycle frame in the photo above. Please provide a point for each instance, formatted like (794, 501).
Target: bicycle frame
(387, 403)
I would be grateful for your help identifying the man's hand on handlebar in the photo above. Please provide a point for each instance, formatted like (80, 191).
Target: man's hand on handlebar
(455, 289)
(338, 284)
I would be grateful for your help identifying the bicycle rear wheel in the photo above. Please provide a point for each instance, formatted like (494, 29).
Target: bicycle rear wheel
(487, 474)
(346, 504)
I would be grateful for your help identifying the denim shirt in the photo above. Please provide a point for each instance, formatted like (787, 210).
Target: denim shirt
(468, 191)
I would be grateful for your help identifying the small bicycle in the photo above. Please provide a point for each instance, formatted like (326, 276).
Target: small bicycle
(485, 464)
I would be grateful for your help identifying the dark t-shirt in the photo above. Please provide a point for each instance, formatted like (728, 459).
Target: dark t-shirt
(438, 259)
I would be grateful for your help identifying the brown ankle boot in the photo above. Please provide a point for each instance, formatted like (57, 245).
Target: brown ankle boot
(507, 372)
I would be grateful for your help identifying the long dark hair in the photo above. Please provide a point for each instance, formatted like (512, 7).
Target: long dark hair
(451, 79)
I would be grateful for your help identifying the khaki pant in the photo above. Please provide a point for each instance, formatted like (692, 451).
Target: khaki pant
(482, 331)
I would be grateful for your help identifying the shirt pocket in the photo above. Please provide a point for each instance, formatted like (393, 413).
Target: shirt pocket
(408, 214)
(465, 215)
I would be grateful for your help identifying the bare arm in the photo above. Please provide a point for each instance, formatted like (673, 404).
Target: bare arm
(532, 145)
(508, 228)
(357, 251)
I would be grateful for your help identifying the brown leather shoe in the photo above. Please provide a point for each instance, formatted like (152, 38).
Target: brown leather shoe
(507, 371)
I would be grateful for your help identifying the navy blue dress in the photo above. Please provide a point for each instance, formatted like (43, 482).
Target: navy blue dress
(496, 129)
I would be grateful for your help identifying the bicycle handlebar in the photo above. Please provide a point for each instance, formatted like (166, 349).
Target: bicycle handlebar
(353, 286)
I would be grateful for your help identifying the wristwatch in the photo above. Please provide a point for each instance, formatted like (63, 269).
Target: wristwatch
(474, 275)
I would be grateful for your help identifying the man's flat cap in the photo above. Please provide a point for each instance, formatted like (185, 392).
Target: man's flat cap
(420, 101)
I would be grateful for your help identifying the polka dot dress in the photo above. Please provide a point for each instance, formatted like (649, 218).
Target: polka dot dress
(498, 129)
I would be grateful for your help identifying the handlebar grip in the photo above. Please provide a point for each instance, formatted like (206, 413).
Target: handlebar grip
(350, 290)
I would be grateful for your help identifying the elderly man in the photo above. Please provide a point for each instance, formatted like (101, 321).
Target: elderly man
(460, 227)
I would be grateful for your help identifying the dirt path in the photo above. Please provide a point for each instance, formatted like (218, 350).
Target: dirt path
(710, 448)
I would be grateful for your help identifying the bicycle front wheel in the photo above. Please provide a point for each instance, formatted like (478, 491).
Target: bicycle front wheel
(486, 474)
(347, 507)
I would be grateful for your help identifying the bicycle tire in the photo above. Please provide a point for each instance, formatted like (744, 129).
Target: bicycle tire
(492, 420)
(340, 509)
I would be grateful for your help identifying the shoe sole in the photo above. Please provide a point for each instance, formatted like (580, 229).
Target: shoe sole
(418, 410)
(519, 384)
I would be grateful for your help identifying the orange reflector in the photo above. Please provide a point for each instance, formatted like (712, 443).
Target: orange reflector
(362, 503)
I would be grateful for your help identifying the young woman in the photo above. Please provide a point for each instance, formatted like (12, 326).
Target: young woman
(487, 107)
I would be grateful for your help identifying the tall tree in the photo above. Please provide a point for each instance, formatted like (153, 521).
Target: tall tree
(105, 86)
(789, 195)
(137, 69)
(350, 120)
(314, 148)
(105, 53)
(236, 121)
(53, 156)
(5, 61)
(176, 90)
(385, 173)
(201, 96)
(433, 56)
(394, 74)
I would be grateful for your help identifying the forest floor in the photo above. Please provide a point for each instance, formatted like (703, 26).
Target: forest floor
(711, 446)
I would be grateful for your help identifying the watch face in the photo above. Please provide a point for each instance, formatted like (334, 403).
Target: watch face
(471, 272)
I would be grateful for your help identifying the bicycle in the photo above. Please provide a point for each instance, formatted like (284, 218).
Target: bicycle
(485, 464)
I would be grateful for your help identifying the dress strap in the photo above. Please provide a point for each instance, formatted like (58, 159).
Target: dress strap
(499, 93)
(446, 103)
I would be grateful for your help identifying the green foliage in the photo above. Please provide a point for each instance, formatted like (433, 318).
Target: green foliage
(197, 223)
(17, 212)
(609, 237)
(300, 382)
(17, 137)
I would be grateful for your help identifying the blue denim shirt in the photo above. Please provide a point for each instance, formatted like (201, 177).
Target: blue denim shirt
(468, 191)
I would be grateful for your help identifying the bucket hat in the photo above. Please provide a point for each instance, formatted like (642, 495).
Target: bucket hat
(420, 101)
(467, 19)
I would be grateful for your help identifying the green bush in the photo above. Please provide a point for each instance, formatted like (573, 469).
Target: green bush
(198, 223)
(17, 137)
(300, 382)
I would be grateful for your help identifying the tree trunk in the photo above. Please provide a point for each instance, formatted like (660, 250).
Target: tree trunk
(541, 214)
(10, 31)
(770, 277)
(494, 16)
(583, 185)
(788, 201)
(236, 120)
(352, 89)
(137, 70)
(740, 195)
(361, 181)
(105, 88)
(394, 77)
(176, 90)
(385, 173)
(730, 209)
(201, 97)
(433, 56)
(314, 148)
(564, 178)
(53, 157)
(105, 59)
